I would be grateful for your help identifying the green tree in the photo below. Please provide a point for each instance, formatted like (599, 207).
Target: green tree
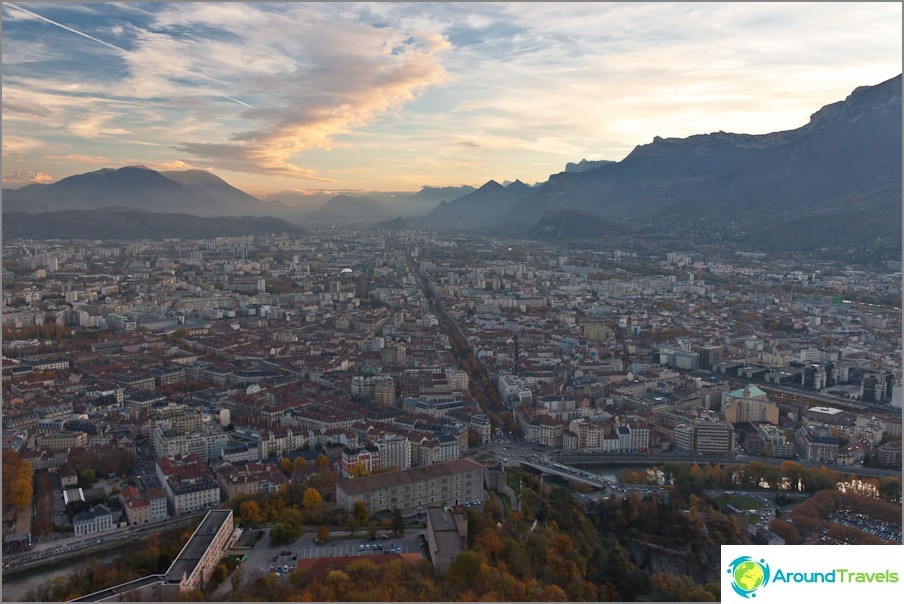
(88, 477)
(283, 532)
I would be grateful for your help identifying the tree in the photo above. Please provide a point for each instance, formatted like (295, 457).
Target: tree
(398, 523)
(218, 575)
(322, 462)
(323, 533)
(87, 477)
(285, 464)
(465, 568)
(360, 513)
(489, 543)
(251, 512)
(283, 532)
(553, 593)
(784, 530)
(300, 463)
(311, 498)
(18, 488)
(20, 493)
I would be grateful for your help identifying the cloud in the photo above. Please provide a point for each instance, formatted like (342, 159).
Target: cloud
(20, 178)
(323, 91)
(19, 145)
(110, 162)
(357, 93)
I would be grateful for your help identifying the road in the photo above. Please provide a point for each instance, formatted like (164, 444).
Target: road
(51, 553)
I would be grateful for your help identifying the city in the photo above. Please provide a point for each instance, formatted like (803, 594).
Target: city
(427, 301)
(147, 382)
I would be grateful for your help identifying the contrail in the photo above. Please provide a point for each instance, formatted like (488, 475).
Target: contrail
(60, 25)
(118, 49)
(242, 103)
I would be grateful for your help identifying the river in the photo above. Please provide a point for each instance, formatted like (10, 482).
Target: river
(15, 589)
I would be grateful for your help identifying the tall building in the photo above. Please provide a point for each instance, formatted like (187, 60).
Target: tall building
(710, 356)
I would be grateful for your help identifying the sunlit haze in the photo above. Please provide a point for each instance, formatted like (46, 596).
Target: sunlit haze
(391, 97)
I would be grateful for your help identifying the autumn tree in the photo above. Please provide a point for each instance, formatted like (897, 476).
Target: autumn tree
(360, 513)
(311, 498)
(323, 533)
(250, 511)
(784, 530)
(322, 462)
(18, 488)
(285, 464)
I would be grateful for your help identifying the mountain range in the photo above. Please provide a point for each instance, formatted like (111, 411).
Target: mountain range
(129, 223)
(193, 191)
(840, 173)
(846, 160)
(489, 203)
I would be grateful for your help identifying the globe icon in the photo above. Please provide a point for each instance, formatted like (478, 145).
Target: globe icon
(748, 575)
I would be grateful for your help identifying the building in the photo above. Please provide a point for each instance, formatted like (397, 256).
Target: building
(193, 566)
(395, 451)
(189, 572)
(61, 441)
(358, 461)
(540, 428)
(812, 447)
(481, 427)
(890, 454)
(447, 535)
(207, 444)
(250, 478)
(749, 404)
(157, 500)
(710, 356)
(413, 491)
(188, 484)
(704, 438)
(137, 509)
(95, 520)
(776, 443)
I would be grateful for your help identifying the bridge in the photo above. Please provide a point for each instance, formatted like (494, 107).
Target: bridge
(568, 473)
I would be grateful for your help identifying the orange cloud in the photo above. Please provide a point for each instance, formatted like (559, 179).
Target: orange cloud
(20, 178)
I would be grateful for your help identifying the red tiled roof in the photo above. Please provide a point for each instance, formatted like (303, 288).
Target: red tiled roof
(319, 567)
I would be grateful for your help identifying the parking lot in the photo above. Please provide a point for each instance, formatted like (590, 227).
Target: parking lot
(879, 528)
(263, 558)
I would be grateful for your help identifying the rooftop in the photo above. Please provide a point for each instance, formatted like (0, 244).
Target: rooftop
(106, 594)
(367, 484)
(187, 560)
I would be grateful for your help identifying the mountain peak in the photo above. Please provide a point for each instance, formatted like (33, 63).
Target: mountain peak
(491, 185)
(138, 188)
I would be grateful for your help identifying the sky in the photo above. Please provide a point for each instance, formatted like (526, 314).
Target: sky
(345, 97)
